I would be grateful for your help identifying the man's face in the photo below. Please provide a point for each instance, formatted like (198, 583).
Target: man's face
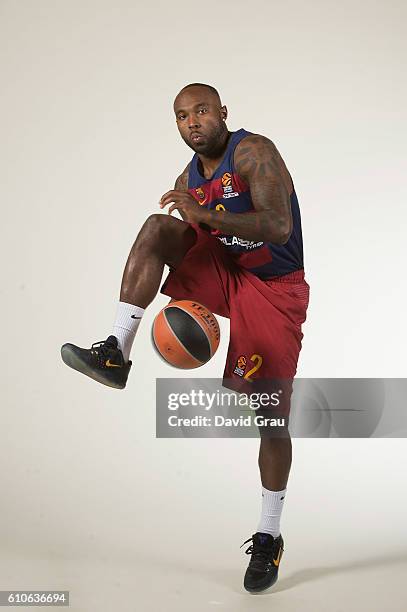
(200, 120)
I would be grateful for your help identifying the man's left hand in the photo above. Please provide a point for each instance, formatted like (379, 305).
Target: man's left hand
(189, 209)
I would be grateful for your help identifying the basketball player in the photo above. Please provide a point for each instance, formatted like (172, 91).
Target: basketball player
(237, 250)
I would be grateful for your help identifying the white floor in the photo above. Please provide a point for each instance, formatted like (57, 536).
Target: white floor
(170, 540)
(368, 578)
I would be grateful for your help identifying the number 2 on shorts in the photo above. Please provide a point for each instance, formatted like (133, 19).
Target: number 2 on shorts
(258, 360)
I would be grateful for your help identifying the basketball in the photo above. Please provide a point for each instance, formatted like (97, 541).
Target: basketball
(186, 334)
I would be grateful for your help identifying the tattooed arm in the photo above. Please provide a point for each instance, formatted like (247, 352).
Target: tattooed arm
(259, 163)
(182, 181)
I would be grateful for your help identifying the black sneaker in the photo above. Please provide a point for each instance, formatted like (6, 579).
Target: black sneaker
(266, 553)
(103, 362)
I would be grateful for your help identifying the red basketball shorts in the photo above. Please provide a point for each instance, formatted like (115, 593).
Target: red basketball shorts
(265, 316)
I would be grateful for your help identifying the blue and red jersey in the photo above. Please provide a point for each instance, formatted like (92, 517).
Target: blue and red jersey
(227, 191)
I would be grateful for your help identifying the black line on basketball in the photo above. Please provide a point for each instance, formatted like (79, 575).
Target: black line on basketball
(189, 332)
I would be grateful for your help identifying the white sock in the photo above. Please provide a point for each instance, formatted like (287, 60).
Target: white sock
(272, 506)
(127, 321)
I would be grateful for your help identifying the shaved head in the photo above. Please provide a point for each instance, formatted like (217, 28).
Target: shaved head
(209, 90)
(201, 119)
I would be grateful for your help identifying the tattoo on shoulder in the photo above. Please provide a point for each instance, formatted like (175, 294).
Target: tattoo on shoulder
(181, 183)
(257, 157)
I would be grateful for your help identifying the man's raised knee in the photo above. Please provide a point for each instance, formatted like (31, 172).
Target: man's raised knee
(155, 223)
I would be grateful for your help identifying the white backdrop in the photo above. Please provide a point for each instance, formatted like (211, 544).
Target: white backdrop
(89, 144)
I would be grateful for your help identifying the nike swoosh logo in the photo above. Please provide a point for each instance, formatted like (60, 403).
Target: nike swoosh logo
(277, 561)
(112, 365)
(134, 317)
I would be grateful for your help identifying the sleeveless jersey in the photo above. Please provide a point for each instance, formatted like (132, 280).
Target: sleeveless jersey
(227, 191)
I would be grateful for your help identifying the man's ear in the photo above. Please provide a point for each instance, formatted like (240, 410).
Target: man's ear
(224, 113)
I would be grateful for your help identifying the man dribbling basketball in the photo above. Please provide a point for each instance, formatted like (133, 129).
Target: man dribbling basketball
(238, 251)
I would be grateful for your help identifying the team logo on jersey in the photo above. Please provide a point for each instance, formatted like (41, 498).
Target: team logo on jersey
(240, 365)
(227, 182)
(227, 186)
(227, 179)
(201, 195)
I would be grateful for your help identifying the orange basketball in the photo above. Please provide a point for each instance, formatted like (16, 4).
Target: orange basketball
(186, 334)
